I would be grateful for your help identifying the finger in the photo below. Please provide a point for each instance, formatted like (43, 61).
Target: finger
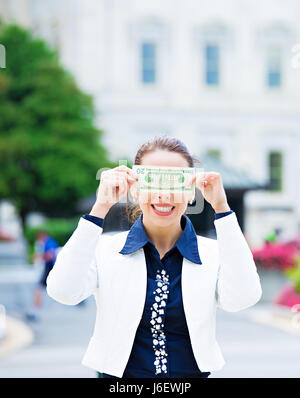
(115, 176)
(117, 182)
(119, 188)
(203, 184)
(130, 175)
(134, 174)
(122, 167)
(124, 175)
(132, 182)
(212, 175)
(201, 177)
(120, 179)
(202, 181)
(129, 179)
(127, 170)
(122, 188)
(190, 181)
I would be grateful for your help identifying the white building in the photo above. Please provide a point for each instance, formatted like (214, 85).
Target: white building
(220, 75)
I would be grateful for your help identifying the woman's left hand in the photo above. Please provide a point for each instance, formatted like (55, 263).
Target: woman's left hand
(211, 187)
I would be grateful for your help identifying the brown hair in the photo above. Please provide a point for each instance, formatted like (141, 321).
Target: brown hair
(165, 143)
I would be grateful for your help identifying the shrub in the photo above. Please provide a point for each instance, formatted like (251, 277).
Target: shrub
(276, 256)
(294, 275)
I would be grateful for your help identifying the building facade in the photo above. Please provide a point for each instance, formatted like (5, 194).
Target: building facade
(223, 76)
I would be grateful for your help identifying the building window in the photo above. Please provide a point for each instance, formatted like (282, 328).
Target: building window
(275, 171)
(148, 60)
(214, 152)
(274, 67)
(212, 64)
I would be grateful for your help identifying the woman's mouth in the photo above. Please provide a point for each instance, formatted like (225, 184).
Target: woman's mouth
(163, 210)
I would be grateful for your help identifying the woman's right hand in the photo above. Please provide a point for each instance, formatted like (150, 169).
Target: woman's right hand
(114, 185)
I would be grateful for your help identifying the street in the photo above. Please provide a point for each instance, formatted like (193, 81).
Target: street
(251, 349)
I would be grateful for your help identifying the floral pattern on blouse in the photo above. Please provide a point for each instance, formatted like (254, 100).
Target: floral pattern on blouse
(157, 316)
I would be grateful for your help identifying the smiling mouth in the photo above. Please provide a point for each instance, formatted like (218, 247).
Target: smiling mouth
(163, 210)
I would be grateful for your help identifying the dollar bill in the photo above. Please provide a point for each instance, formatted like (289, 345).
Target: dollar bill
(155, 178)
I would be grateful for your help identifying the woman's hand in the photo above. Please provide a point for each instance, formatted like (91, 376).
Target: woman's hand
(114, 185)
(211, 187)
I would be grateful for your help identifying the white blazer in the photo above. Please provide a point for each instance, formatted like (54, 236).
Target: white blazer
(89, 263)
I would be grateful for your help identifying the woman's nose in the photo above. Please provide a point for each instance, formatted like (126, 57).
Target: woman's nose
(165, 197)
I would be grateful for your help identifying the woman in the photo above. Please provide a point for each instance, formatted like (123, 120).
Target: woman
(157, 285)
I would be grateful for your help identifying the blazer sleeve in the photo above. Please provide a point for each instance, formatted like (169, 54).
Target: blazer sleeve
(238, 284)
(74, 276)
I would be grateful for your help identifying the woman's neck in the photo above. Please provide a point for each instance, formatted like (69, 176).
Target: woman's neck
(163, 238)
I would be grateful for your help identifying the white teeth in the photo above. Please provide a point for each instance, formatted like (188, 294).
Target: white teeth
(163, 209)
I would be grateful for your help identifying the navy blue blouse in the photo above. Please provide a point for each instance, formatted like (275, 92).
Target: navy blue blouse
(162, 346)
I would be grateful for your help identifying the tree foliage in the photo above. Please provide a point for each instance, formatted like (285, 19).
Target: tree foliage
(50, 149)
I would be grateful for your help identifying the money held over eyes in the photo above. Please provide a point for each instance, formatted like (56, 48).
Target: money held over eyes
(164, 179)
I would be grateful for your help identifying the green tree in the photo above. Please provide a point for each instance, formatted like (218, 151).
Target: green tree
(50, 149)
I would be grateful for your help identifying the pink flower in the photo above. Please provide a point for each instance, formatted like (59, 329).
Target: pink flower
(287, 296)
(276, 256)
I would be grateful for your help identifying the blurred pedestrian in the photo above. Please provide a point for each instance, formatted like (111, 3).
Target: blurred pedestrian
(46, 248)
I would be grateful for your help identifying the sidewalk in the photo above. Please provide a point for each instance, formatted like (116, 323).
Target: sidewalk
(18, 334)
(279, 317)
(22, 273)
